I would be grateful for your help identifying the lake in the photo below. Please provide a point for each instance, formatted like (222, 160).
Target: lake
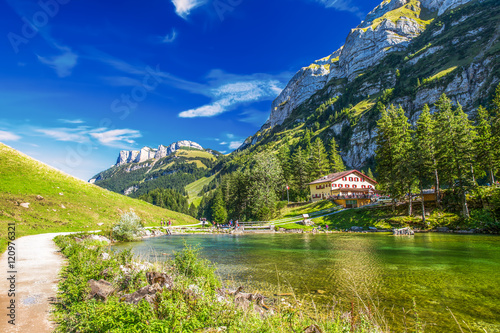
(439, 273)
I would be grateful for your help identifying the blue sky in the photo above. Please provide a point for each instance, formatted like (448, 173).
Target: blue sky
(82, 80)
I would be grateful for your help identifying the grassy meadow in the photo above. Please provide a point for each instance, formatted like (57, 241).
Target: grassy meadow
(68, 203)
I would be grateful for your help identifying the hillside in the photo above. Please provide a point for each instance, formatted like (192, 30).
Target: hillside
(422, 49)
(66, 203)
(166, 168)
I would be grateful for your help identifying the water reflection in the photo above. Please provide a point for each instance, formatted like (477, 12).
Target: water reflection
(439, 272)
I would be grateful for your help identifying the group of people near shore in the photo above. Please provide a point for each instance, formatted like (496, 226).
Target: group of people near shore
(165, 223)
(230, 224)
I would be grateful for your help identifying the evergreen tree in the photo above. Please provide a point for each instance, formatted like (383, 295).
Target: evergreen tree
(219, 213)
(265, 180)
(300, 172)
(384, 154)
(393, 153)
(238, 204)
(318, 163)
(423, 147)
(495, 126)
(369, 173)
(455, 137)
(404, 173)
(336, 163)
(305, 142)
(485, 153)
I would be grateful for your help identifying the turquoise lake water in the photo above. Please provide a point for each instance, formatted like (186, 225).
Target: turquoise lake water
(442, 273)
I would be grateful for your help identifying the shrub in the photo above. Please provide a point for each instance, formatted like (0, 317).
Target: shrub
(128, 227)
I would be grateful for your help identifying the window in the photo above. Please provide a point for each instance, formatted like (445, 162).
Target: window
(362, 179)
(340, 185)
(350, 179)
(334, 185)
(344, 178)
(369, 186)
(354, 186)
(363, 186)
(346, 185)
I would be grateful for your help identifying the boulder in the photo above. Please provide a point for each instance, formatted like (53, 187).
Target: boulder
(147, 293)
(25, 204)
(105, 256)
(403, 232)
(162, 279)
(39, 197)
(247, 301)
(443, 229)
(99, 238)
(312, 329)
(100, 289)
(100, 224)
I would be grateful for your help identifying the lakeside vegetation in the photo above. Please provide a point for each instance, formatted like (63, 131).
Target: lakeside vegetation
(59, 202)
(191, 301)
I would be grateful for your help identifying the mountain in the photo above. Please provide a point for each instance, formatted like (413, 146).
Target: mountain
(54, 201)
(405, 52)
(137, 172)
(146, 153)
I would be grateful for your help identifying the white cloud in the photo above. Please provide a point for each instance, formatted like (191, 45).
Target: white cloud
(8, 136)
(116, 138)
(184, 7)
(71, 121)
(235, 144)
(63, 64)
(170, 37)
(65, 134)
(223, 143)
(228, 95)
(344, 5)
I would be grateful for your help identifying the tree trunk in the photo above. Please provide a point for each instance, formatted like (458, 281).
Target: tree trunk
(423, 205)
(410, 203)
(492, 176)
(472, 172)
(464, 204)
(436, 190)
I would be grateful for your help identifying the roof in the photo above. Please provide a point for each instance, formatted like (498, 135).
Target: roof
(334, 176)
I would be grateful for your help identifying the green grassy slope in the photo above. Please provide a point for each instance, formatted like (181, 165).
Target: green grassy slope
(195, 187)
(23, 178)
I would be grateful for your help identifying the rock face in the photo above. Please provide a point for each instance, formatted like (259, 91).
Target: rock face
(146, 153)
(388, 28)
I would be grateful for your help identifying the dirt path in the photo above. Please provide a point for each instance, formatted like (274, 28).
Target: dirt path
(37, 264)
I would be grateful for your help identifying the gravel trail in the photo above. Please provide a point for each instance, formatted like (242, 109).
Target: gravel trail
(38, 263)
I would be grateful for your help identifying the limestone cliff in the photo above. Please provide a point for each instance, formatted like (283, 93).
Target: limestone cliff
(388, 28)
(406, 52)
(146, 153)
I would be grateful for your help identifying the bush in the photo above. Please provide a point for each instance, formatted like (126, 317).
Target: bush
(128, 228)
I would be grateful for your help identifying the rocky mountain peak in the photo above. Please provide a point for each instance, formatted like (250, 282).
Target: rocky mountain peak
(147, 153)
(388, 28)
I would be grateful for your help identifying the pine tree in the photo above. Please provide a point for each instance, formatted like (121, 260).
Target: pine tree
(219, 213)
(265, 185)
(384, 153)
(485, 153)
(300, 172)
(404, 173)
(423, 147)
(495, 126)
(369, 173)
(336, 163)
(318, 163)
(455, 137)
(393, 153)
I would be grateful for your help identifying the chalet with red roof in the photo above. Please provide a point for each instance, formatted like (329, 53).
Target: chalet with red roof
(349, 189)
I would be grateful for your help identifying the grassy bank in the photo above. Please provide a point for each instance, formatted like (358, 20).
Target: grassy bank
(59, 202)
(191, 302)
